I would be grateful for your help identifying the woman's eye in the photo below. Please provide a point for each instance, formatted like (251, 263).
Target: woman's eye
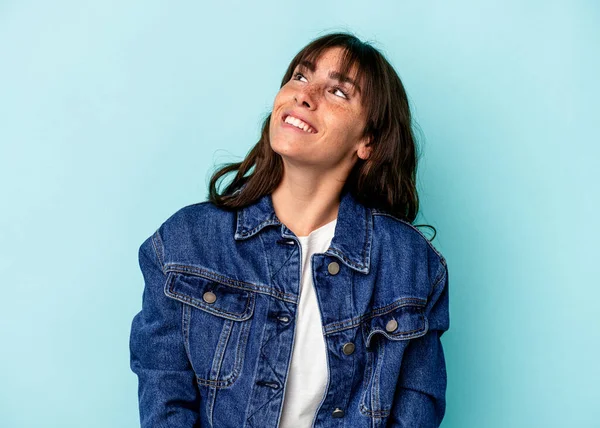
(344, 94)
(336, 89)
(297, 75)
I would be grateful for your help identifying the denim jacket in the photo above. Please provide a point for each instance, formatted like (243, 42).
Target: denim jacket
(213, 341)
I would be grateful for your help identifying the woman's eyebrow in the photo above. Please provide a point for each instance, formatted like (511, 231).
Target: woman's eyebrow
(332, 74)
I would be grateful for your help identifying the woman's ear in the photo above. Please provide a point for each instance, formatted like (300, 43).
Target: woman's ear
(365, 148)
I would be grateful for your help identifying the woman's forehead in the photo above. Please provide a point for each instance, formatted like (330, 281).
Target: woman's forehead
(336, 57)
(339, 62)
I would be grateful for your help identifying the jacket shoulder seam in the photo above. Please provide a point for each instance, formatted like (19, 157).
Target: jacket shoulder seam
(383, 213)
(158, 247)
(157, 241)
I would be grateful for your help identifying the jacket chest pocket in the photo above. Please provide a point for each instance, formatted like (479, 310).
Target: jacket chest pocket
(215, 323)
(386, 334)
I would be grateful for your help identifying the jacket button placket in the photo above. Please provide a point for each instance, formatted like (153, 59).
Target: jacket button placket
(333, 268)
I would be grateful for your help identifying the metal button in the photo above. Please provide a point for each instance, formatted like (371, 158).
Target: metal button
(209, 297)
(391, 325)
(348, 348)
(333, 268)
(338, 413)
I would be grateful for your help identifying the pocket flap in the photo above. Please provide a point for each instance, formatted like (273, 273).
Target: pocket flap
(211, 296)
(403, 322)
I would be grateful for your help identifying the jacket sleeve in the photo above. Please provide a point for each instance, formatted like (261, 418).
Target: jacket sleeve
(420, 397)
(167, 391)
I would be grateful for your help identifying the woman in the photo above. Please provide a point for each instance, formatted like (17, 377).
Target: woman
(302, 295)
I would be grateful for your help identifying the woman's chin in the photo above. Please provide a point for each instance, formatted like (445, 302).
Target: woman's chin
(288, 146)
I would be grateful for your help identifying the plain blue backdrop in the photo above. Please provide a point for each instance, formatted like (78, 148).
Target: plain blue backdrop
(114, 114)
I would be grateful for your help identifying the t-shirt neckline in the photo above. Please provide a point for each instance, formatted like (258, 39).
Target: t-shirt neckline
(318, 230)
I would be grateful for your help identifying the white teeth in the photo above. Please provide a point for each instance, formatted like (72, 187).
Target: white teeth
(299, 124)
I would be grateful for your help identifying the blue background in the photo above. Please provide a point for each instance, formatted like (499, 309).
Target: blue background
(114, 114)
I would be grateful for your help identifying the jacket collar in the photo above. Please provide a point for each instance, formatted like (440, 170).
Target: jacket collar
(351, 242)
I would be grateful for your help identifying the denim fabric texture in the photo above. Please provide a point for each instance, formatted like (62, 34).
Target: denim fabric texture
(213, 341)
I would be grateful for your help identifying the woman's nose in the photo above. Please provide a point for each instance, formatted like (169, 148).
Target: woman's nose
(306, 97)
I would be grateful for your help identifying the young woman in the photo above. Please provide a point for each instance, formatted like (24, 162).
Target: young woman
(302, 295)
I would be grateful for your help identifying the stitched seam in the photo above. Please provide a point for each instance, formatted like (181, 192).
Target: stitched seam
(238, 364)
(439, 278)
(404, 335)
(221, 383)
(231, 282)
(185, 316)
(366, 380)
(257, 228)
(368, 386)
(247, 313)
(351, 263)
(158, 250)
(380, 359)
(266, 258)
(222, 348)
(240, 345)
(217, 357)
(353, 322)
(241, 349)
(369, 228)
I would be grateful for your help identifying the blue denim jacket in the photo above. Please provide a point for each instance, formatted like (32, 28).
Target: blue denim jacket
(213, 341)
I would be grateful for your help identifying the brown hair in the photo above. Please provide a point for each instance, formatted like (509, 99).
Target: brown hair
(386, 180)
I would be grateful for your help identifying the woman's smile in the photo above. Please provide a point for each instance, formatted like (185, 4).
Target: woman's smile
(297, 122)
(297, 125)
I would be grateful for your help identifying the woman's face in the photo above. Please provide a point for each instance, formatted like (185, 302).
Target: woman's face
(317, 117)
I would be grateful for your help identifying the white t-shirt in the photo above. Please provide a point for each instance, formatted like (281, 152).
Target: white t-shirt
(307, 378)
